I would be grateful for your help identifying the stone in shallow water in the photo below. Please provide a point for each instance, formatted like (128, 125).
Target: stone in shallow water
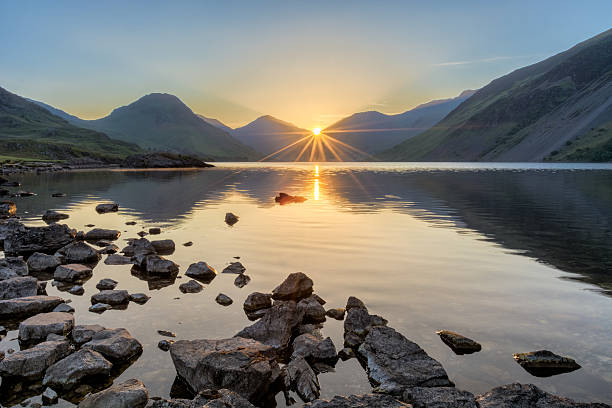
(242, 280)
(100, 307)
(458, 343)
(38, 262)
(223, 300)
(164, 345)
(78, 252)
(357, 324)
(191, 287)
(63, 307)
(28, 306)
(439, 397)
(77, 290)
(20, 286)
(37, 328)
(256, 305)
(139, 298)
(296, 286)
(106, 284)
(111, 297)
(116, 259)
(312, 310)
(201, 271)
(83, 333)
(359, 401)
(315, 349)
(107, 207)
(235, 267)
(31, 363)
(544, 363)
(163, 246)
(101, 233)
(114, 344)
(22, 240)
(70, 371)
(231, 218)
(72, 273)
(53, 216)
(158, 265)
(527, 396)
(129, 394)
(337, 313)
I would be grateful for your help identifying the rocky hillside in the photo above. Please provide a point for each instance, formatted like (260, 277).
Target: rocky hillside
(557, 109)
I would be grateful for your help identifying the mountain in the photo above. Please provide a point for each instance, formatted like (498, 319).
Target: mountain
(267, 134)
(556, 109)
(30, 131)
(373, 132)
(216, 123)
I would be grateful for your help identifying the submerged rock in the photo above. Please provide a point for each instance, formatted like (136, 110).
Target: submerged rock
(359, 401)
(70, 371)
(442, 397)
(24, 240)
(223, 300)
(296, 286)
(129, 394)
(78, 252)
(284, 198)
(115, 344)
(107, 207)
(36, 328)
(231, 219)
(106, 284)
(72, 273)
(20, 286)
(111, 297)
(12, 268)
(235, 267)
(28, 306)
(101, 233)
(458, 343)
(527, 396)
(544, 363)
(31, 363)
(191, 287)
(201, 271)
(39, 262)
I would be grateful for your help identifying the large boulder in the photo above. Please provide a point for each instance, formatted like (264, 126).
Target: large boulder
(12, 267)
(28, 306)
(36, 328)
(78, 252)
(242, 365)
(39, 262)
(72, 273)
(101, 233)
(359, 401)
(17, 287)
(31, 363)
(114, 344)
(27, 240)
(296, 286)
(129, 394)
(439, 397)
(394, 363)
(201, 271)
(111, 297)
(70, 371)
(527, 396)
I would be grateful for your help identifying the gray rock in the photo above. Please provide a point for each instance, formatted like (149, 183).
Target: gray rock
(188, 244)
(154, 230)
(107, 207)
(116, 259)
(223, 300)
(235, 267)
(314, 349)
(54, 216)
(228, 399)
(72, 273)
(20, 286)
(527, 396)
(231, 219)
(84, 332)
(166, 333)
(458, 343)
(158, 265)
(39, 262)
(68, 372)
(242, 280)
(129, 394)
(357, 324)
(55, 337)
(28, 306)
(244, 366)
(24, 240)
(395, 363)
(76, 290)
(544, 363)
(7, 209)
(49, 397)
(36, 328)
(31, 363)
(12, 268)
(191, 287)
(346, 354)
(101, 233)
(78, 252)
(141, 246)
(63, 307)
(139, 298)
(114, 344)
(300, 377)
(257, 314)
(359, 401)
(106, 284)
(353, 302)
(111, 297)
(337, 313)
(256, 301)
(312, 310)
(201, 271)
(164, 246)
(109, 249)
(295, 287)
(164, 345)
(439, 397)
(100, 307)
(41, 288)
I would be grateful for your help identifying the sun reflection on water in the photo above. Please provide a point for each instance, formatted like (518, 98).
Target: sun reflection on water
(316, 183)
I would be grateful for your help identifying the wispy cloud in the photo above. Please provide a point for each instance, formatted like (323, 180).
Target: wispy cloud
(484, 60)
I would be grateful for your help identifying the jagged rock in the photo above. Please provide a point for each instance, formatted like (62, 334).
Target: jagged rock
(314, 348)
(107, 207)
(296, 286)
(76, 290)
(63, 307)
(36, 328)
(31, 363)
(68, 372)
(20, 286)
(359, 401)
(275, 328)
(458, 343)
(337, 313)
(358, 323)
(312, 310)
(100, 307)
(223, 300)
(84, 332)
(346, 354)
(54, 216)
(12, 268)
(114, 344)
(158, 265)
(235, 267)
(164, 345)
(39, 262)
(231, 219)
(164, 246)
(544, 363)
(201, 271)
(256, 305)
(72, 273)
(111, 297)
(106, 284)
(49, 397)
(353, 302)
(41, 288)
(139, 298)
(101, 233)
(395, 363)
(191, 287)
(242, 280)
(78, 252)
(28, 306)
(141, 246)
(242, 365)
(24, 240)
(116, 259)
(439, 397)
(7, 209)
(284, 198)
(527, 396)
(129, 394)
(109, 249)
(300, 377)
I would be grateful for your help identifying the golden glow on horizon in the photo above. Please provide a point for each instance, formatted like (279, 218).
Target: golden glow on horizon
(316, 131)
(316, 183)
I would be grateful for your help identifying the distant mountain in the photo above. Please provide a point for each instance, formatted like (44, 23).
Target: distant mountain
(216, 123)
(58, 112)
(373, 132)
(267, 134)
(30, 131)
(557, 109)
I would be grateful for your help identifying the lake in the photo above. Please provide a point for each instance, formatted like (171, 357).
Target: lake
(515, 256)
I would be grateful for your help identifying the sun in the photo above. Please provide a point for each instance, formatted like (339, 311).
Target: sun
(316, 131)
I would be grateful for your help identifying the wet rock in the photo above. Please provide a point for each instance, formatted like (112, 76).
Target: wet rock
(54, 216)
(188, 244)
(312, 310)
(223, 300)
(353, 302)
(439, 397)
(164, 246)
(458, 343)
(244, 366)
(346, 354)
(166, 333)
(242, 280)
(359, 401)
(12, 268)
(106, 284)
(191, 287)
(276, 327)
(57, 195)
(235, 267)
(78, 252)
(55, 337)
(111, 297)
(201, 271)
(100, 307)
(49, 397)
(395, 363)
(27, 240)
(70, 371)
(231, 219)
(116, 259)
(107, 207)
(22, 193)
(544, 363)
(337, 313)
(130, 223)
(358, 323)
(114, 344)
(527, 396)
(142, 234)
(31, 363)
(41, 288)
(7, 208)
(284, 198)
(318, 299)
(76, 290)
(72, 273)
(63, 307)
(83, 333)
(256, 305)
(17, 287)
(109, 249)
(155, 231)
(39, 262)
(315, 349)
(158, 265)
(139, 298)
(296, 286)
(129, 394)
(300, 377)
(101, 233)
(162, 160)
(28, 306)
(36, 328)
(164, 345)
(140, 246)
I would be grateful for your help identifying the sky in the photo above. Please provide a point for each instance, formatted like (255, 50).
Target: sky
(307, 62)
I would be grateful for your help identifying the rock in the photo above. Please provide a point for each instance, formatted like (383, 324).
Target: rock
(76, 290)
(544, 363)
(353, 302)
(36, 328)
(107, 207)
(78, 252)
(164, 246)
(314, 349)
(129, 394)
(63, 307)
(201, 271)
(100, 307)
(41, 288)
(3, 331)
(231, 219)
(72, 273)
(188, 244)
(235, 267)
(337, 313)
(158, 265)
(12, 268)
(70, 371)
(106, 284)
(256, 305)
(116, 259)
(458, 343)
(228, 399)
(49, 397)
(300, 377)
(166, 333)
(140, 246)
(312, 310)
(111, 297)
(22, 193)
(83, 333)
(318, 299)
(284, 198)
(295, 287)
(395, 363)
(357, 324)
(223, 300)
(346, 354)
(155, 231)
(244, 366)
(359, 401)
(142, 234)
(7, 209)
(192, 287)
(39, 262)
(31, 363)
(28, 306)
(57, 195)
(276, 327)
(55, 337)
(139, 298)
(115, 344)
(102, 243)
(101, 233)
(27, 240)
(527, 396)
(54, 216)
(20, 286)
(439, 397)
(242, 280)
(164, 345)
(109, 249)
(162, 160)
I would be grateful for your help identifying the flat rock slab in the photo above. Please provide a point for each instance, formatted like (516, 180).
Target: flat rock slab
(31, 363)
(27, 240)
(527, 396)
(359, 401)
(20, 286)
(68, 372)
(36, 328)
(28, 306)
(101, 233)
(395, 363)
(114, 344)
(129, 394)
(544, 363)
(72, 273)
(458, 343)
(111, 297)
(439, 397)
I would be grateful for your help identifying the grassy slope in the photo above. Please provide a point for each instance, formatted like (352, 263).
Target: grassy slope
(593, 146)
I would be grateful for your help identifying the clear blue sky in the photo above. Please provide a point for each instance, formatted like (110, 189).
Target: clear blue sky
(309, 62)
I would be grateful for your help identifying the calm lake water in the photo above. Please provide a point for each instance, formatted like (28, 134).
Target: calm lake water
(517, 257)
